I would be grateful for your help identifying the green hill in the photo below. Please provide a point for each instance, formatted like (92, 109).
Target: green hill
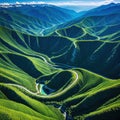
(82, 94)
(86, 96)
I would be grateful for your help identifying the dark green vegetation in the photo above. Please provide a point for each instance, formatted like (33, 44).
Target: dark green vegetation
(62, 61)
(96, 44)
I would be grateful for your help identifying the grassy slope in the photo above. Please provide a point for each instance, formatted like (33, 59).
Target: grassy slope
(95, 97)
(21, 65)
(28, 105)
(90, 96)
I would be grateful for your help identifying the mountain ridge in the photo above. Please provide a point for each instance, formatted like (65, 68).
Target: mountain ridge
(35, 20)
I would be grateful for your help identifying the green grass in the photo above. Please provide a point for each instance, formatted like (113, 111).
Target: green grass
(91, 96)
(14, 94)
(20, 108)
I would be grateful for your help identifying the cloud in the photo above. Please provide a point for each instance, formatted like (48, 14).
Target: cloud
(109, 1)
(30, 3)
(5, 4)
(77, 5)
(69, 3)
(81, 3)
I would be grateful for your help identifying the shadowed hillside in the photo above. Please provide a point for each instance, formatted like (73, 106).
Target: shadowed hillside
(86, 54)
(95, 40)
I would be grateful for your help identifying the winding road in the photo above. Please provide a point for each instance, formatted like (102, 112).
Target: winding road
(51, 95)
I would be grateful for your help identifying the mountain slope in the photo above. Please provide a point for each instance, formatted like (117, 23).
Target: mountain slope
(34, 20)
(86, 54)
(93, 27)
(104, 10)
(43, 12)
(95, 40)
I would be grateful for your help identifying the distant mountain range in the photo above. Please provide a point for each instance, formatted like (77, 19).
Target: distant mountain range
(34, 19)
(44, 19)
(105, 9)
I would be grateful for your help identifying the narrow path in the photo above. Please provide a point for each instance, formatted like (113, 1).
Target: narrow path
(41, 32)
(21, 87)
(58, 33)
(45, 60)
(47, 96)
(53, 95)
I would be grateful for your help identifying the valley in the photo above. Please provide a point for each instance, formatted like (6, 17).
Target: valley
(59, 66)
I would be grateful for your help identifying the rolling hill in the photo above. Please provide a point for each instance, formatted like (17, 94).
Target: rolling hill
(71, 74)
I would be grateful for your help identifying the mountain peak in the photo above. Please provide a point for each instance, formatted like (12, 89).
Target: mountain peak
(112, 4)
(23, 4)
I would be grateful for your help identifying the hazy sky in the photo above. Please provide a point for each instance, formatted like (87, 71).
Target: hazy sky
(78, 5)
